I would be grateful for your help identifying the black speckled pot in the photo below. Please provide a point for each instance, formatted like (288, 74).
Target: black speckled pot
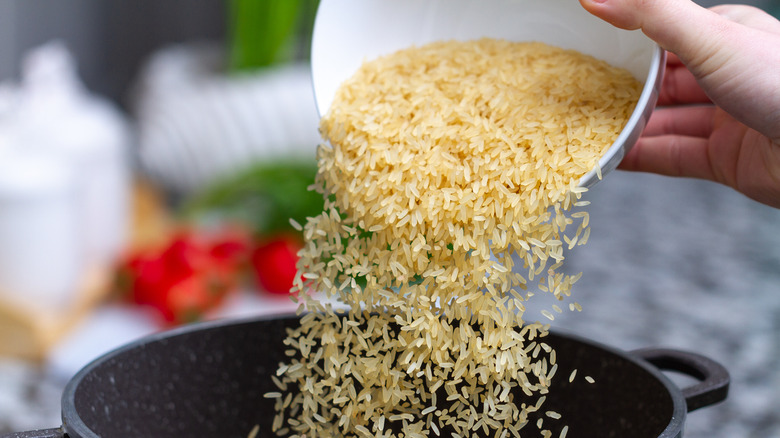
(208, 380)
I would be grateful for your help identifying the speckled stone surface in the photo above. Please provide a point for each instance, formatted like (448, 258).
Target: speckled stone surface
(692, 265)
(29, 397)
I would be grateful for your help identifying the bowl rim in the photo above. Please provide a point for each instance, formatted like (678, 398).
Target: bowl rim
(636, 122)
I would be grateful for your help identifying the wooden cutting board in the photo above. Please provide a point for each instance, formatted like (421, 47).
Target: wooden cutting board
(30, 334)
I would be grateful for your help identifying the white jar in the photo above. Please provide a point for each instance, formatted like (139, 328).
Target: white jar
(41, 255)
(57, 116)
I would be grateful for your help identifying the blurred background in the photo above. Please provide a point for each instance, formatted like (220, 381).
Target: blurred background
(151, 148)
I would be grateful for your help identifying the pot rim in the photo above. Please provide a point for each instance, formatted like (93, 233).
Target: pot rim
(74, 426)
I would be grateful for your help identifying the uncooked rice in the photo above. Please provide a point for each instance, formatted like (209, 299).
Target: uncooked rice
(450, 179)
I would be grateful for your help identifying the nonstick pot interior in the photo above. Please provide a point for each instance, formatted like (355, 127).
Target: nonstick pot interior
(209, 380)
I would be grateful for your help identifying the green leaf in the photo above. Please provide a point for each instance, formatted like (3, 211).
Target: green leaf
(263, 31)
(264, 195)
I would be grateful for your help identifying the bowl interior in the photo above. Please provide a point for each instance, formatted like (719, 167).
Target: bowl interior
(209, 380)
(349, 32)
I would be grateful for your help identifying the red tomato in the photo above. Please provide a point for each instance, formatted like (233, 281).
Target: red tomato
(187, 277)
(184, 255)
(274, 263)
(143, 280)
(186, 300)
(230, 248)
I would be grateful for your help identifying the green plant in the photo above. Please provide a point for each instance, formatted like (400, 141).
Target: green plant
(265, 196)
(266, 32)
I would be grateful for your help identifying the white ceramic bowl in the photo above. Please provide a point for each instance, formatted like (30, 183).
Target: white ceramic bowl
(349, 32)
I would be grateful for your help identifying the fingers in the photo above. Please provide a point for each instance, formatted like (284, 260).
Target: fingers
(748, 16)
(692, 121)
(680, 86)
(675, 143)
(731, 50)
(679, 26)
(671, 155)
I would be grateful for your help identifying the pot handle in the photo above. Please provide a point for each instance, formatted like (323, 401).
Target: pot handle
(713, 386)
(41, 433)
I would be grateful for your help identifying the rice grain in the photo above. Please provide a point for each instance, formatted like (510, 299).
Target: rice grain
(450, 190)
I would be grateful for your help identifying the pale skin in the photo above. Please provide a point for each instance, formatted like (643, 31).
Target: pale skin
(719, 110)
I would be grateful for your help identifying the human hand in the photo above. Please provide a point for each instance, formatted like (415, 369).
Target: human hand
(720, 100)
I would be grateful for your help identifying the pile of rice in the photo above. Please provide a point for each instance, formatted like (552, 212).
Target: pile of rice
(450, 178)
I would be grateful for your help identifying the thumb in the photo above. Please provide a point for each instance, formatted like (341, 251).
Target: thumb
(731, 51)
(679, 26)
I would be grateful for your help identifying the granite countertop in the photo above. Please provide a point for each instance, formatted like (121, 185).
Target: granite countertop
(692, 265)
(671, 262)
